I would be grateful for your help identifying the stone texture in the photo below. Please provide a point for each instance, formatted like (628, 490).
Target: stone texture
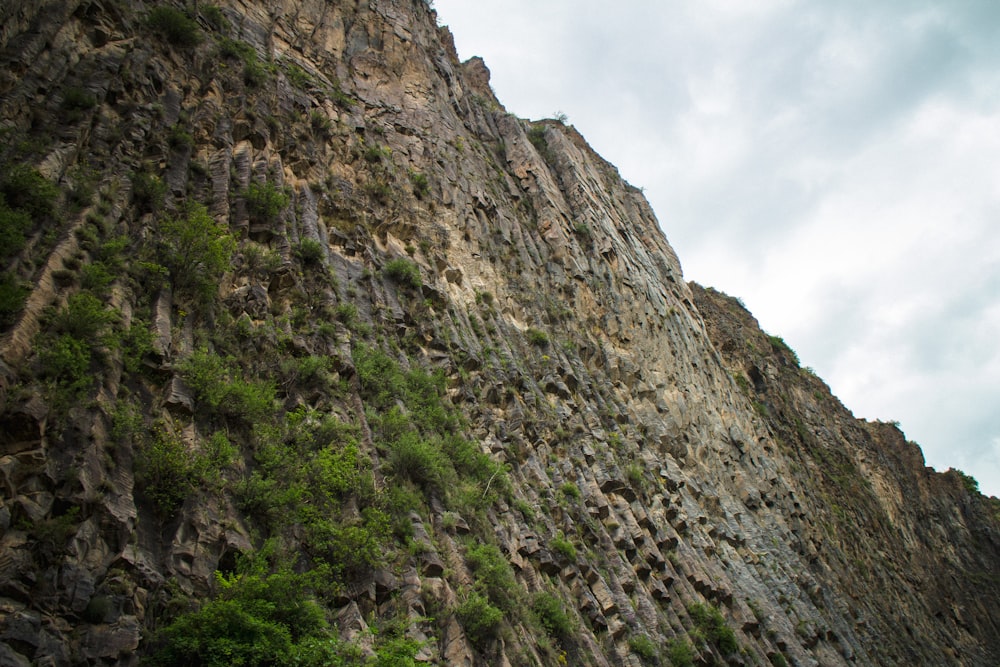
(649, 422)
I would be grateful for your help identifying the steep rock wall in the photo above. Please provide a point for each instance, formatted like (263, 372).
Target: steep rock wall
(653, 464)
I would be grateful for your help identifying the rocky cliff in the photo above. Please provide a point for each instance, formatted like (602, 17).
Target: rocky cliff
(314, 354)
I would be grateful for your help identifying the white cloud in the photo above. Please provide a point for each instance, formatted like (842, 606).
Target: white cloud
(833, 164)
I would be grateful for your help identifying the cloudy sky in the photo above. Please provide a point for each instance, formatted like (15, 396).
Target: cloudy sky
(836, 165)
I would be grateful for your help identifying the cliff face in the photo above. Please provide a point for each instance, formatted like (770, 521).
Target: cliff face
(315, 353)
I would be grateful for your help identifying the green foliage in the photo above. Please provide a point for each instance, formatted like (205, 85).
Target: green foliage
(537, 338)
(778, 660)
(255, 71)
(12, 297)
(778, 344)
(570, 490)
(265, 202)
(644, 647)
(711, 624)
(396, 652)
(420, 460)
(403, 272)
(84, 318)
(380, 376)
(346, 313)
(348, 547)
(26, 190)
(536, 135)
(196, 250)
(168, 471)
(970, 483)
(634, 473)
(257, 619)
(680, 653)
(179, 138)
(223, 388)
(175, 26)
(96, 278)
(77, 100)
(213, 16)
(66, 352)
(375, 154)
(14, 225)
(310, 252)
(480, 619)
(54, 532)
(550, 612)
(148, 191)
(563, 547)
(65, 363)
(421, 186)
(493, 575)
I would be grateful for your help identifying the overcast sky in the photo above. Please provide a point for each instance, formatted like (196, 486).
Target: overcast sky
(836, 165)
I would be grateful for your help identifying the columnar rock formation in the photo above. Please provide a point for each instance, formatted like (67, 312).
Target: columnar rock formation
(310, 316)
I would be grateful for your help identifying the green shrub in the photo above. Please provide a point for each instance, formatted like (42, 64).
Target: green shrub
(480, 619)
(265, 202)
(570, 490)
(563, 547)
(348, 548)
(96, 278)
(537, 338)
(257, 619)
(12, 297)
(219, 383)
(310, 252)
(420, 461)
(179, 138)
(175, 26)
(75, 102)
(379, 374)
(26, 190)
(778, 344)
(550, 612)
(14, 225)
(643, 647)
(148, 191)
(375, 154)
(346, 313)
(196, 250)
(78, 99)
(213, 16)
(493, 575)
(84, 318)
(970, 483)
(66, 353)
(403, 272)
(710, 622)
(421, 186)
(168, 471)
(536, 135)
(680, 653)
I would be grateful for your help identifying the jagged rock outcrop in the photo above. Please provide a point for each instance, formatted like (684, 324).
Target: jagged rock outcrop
(318, 343)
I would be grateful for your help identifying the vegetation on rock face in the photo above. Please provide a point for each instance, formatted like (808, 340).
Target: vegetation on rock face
(238, 425)
(196, 251)
(403, 272)
(175, 26)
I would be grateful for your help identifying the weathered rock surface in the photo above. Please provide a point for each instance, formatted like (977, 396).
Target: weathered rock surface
(659, 451)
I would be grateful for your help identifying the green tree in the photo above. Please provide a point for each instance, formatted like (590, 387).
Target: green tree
(196, 250)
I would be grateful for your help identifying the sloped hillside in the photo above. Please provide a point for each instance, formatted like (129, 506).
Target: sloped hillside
(313, 354)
